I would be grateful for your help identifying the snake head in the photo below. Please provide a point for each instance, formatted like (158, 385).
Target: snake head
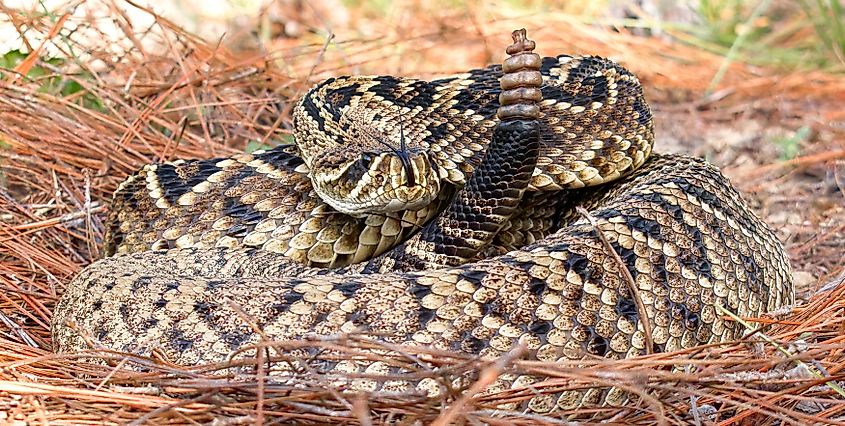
(356, 181)
(361, 157)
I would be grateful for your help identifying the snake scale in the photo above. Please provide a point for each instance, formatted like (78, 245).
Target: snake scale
(201, 245)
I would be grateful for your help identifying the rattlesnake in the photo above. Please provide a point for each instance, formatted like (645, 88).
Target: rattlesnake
(242, 231)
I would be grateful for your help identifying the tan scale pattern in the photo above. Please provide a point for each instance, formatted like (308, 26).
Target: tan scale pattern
(246, 201)
(597, 127)
(596, 123)
(677, 225)
(680, 228)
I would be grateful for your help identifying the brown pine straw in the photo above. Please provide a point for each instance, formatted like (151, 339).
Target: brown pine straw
(165, 94)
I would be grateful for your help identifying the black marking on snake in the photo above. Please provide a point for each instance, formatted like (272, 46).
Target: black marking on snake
(607, 213)
(247, 217)
(474, 276)
(487, 308)
(706, 196)
(173, 186)
(109, 284)
(214, 284)
(123, 310)
(359, 168)
(339, 98)
(647, 226)
(660, 272)
(578, 263)
(101, 333)
(419, 291)
(597, 344)
(558, 92)
(442, 81)
(439, 132)
(425, 315)
(386, 88)
(537, 287)
(279, 308)
(236, 338)
(549, 63)
(629, 257)
(204, 309)
(141, 283)
(177, 338)
(292, 297)
(471, 344)
(485, 80)
(680, 311)
(581, 265)
(416, 93)
(753, 272)
(643, 112)
(129, 192)
(349, 288)
(479, 97)
(540, 328)
(160, 303)
(281, 159)
(693, 320)
(149, 323)
(626, 307)
(97, 305)
(700, 193)
(598, 93)
(600, 88)
(422, 94)
(312, 110)
(325, 82)
(695, 259)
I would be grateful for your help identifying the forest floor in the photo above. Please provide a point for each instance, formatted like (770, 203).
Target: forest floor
(93, 94)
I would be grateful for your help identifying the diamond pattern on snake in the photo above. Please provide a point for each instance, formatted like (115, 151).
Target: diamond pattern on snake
(392, 215)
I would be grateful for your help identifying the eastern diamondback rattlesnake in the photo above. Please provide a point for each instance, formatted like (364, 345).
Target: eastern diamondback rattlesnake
(378, 157)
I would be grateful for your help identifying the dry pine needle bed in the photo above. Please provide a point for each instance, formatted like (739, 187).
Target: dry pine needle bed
(72, 131)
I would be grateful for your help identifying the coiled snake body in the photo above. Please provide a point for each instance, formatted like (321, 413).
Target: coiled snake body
(243, 231)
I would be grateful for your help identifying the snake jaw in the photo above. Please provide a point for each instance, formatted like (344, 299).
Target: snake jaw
(374, 183)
